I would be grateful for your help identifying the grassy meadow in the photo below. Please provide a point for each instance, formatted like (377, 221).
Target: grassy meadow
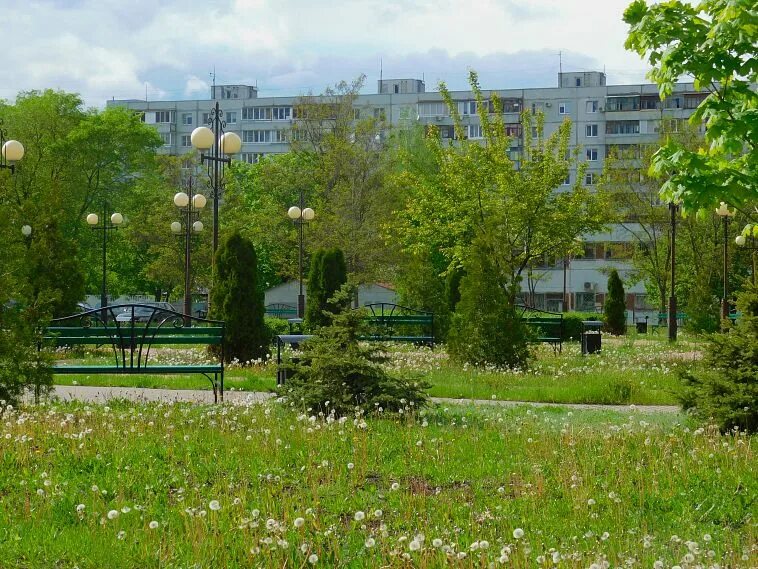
(634, 370)
(268, 486)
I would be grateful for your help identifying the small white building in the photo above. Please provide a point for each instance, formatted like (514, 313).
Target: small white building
(286, 293)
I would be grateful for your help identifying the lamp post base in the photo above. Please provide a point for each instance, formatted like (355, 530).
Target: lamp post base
(301, 306)
(724, 309)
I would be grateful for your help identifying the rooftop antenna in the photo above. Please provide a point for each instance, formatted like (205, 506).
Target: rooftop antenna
(380, 75)
(213, 76)
(560, 62)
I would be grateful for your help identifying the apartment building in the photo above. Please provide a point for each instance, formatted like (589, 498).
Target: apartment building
(603, 117)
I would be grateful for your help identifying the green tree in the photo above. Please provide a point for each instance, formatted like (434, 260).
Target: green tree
(714, 42)
(615, 305)
(328, 274)
(236, 300)
(338, 373)
(723, 388)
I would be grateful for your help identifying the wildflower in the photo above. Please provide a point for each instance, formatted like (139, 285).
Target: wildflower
(518, 533)
(299, 522)
(121, 534)
(658, 564)
(414, 545)
(556, 557)
(126, 510)
(370, 542)
(214, 505)
(707, 537)
(395, 486)
(113, 514)
(484, 544)
(153, 525)
(437, 542)
(350, 466)
(378, 513)
(313, 559)
(591, 502)
(359, 516)
(605, 536)
(80, 508)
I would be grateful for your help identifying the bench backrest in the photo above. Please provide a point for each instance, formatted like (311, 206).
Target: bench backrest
(549, 325)
(132, 329)
(394, 320)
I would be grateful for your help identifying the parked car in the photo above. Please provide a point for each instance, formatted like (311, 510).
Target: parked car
(155, 310)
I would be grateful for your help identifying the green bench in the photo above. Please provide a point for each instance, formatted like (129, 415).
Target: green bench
(281, 310)
(547, 326)
(395, 323)
(132, 337)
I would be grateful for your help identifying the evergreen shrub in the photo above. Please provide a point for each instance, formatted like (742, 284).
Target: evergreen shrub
(615, 305)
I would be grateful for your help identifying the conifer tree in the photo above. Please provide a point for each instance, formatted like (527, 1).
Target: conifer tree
(615, 305)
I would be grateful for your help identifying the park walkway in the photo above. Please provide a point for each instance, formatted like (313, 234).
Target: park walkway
(105, 394)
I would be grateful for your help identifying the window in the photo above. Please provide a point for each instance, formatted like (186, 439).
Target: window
(591, 106)
(590, 130)
(206, 118)
(430, 110)
(397, 89)
(673, 103)
(671, 125)
(567, 181)
(187, 164)
(164, 116)
(187, 119)
(447, 131)
(623, 151)
(475, 131)
(622, 127)
(256, 113)
(379, 114)
(590, 178)
(282, 113)
(578, 82)
(186, 142)
(231, 117)
(252, 157)
(279, 136)
(563, 108)
(622, 103)
(693, 101)
(356, 114)
(513, 130)
(166, 137)
(650, 103)
(256, 136)
(467, 107)
(592, 154)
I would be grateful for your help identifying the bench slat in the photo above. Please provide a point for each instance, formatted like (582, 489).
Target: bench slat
(150, 369)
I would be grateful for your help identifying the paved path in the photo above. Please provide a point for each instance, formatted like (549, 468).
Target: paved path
(104, 394)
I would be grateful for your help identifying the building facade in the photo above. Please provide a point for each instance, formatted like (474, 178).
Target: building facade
(602, 116)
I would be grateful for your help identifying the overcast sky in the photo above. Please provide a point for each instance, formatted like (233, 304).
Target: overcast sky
(121, 48)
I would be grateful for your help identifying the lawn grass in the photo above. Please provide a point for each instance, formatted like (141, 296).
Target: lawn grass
(584, 487)
(635, 370)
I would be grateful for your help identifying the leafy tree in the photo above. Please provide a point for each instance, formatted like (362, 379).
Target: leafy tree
(23, 366)
(476, 192)
(724, 388)
(235, 299)
(714, 42)
(615, 305)
(337, 373)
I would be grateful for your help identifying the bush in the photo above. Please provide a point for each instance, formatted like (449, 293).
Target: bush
(486, 328)
(335, 372)
(615, 305)
(275, 327)
(23, 366)
(572, 323)
(724, 388)
(235, 299)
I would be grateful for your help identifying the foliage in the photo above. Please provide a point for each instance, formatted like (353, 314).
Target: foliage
(486, 329)
(23, 366)
(276, 326)
(724, 388)
(714, 42)
(328, 274)
(615, 305)
(336, 372)
(236, 300)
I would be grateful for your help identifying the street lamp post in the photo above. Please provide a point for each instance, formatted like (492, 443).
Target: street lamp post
(221, 146)
(300, 215)
(11, 151)
(742, 241)
(673, 324)
(93, 219)
(724, 213)
(190, 205)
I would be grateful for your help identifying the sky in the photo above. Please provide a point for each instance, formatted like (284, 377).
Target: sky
(167, 49)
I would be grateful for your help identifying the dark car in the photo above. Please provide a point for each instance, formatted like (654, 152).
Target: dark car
(156, 310)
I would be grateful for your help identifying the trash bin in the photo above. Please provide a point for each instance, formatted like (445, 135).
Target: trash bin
(591, 336)
(284, 372)
(642, 326)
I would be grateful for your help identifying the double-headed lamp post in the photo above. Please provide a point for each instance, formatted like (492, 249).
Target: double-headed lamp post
(190, 205)
(115, 221)
(11, 151)
(221, 146)
(724, 213)
(742, 241)
(300, 215)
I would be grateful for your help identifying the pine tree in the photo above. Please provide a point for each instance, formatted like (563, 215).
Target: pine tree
(328, 273)
(236, 300)
(615, 305)
(315, 298)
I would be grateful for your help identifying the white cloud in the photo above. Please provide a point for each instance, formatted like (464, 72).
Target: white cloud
(104, 48)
